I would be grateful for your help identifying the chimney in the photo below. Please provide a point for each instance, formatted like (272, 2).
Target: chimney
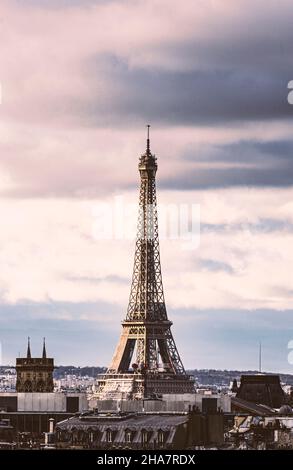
(51, 425)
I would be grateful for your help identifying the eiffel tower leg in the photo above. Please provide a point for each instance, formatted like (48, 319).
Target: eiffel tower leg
(123, 353)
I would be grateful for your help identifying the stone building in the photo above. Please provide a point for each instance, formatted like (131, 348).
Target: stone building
(34, 375)
(30, 414)
(7, 434)
(264, 432)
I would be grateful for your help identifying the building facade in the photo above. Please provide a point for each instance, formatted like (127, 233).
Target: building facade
(141, 431)
(35, 375)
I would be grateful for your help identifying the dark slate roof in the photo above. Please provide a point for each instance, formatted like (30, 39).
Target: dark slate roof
(131, 422)
(254, 408)
(261, 388)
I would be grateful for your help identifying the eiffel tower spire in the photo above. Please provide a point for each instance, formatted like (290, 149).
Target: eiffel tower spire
(146, 354)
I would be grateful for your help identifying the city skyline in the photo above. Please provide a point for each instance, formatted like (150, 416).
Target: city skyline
(215, 93)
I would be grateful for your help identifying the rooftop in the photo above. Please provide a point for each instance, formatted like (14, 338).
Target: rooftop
(132, 421)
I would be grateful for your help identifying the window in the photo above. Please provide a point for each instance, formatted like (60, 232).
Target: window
(161, 438)
(144, 437)
(109, 436)
(128, 436)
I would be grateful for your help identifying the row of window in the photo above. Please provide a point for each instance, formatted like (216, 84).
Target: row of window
(130, 434)
(33, 374)
(82, 436)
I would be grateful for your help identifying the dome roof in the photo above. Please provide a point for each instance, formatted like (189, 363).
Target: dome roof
(285, 410)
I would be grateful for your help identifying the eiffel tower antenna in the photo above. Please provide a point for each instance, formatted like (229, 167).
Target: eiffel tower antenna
(260, 356)
(148, 138)
(146, 331)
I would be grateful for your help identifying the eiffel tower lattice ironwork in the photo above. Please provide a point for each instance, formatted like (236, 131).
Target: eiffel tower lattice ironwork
(146, 361)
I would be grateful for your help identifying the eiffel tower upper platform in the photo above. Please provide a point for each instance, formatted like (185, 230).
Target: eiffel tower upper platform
(146, 362)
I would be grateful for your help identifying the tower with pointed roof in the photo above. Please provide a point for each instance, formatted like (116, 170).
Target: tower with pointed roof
(34, 374)
(146, 362)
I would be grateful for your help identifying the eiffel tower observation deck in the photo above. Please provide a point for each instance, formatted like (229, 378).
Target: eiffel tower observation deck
(146, 362)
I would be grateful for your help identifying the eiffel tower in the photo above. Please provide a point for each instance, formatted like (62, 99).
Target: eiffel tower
(146, 362)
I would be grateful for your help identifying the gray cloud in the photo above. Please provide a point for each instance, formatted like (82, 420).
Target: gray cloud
(70, 340)
(211, 335)
(244, 151)
(111, 278)
(49, 4)
(213, 265)
(200, 96)
(236, 72)
(231, 177)
(205, 338)
(251, 163)
(263, 225)
(231, 74)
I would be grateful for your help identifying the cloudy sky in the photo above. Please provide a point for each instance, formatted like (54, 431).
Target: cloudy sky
(80, 79)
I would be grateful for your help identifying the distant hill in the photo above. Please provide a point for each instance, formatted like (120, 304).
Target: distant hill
(61, 371)
(224, 377)
(202, 376)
